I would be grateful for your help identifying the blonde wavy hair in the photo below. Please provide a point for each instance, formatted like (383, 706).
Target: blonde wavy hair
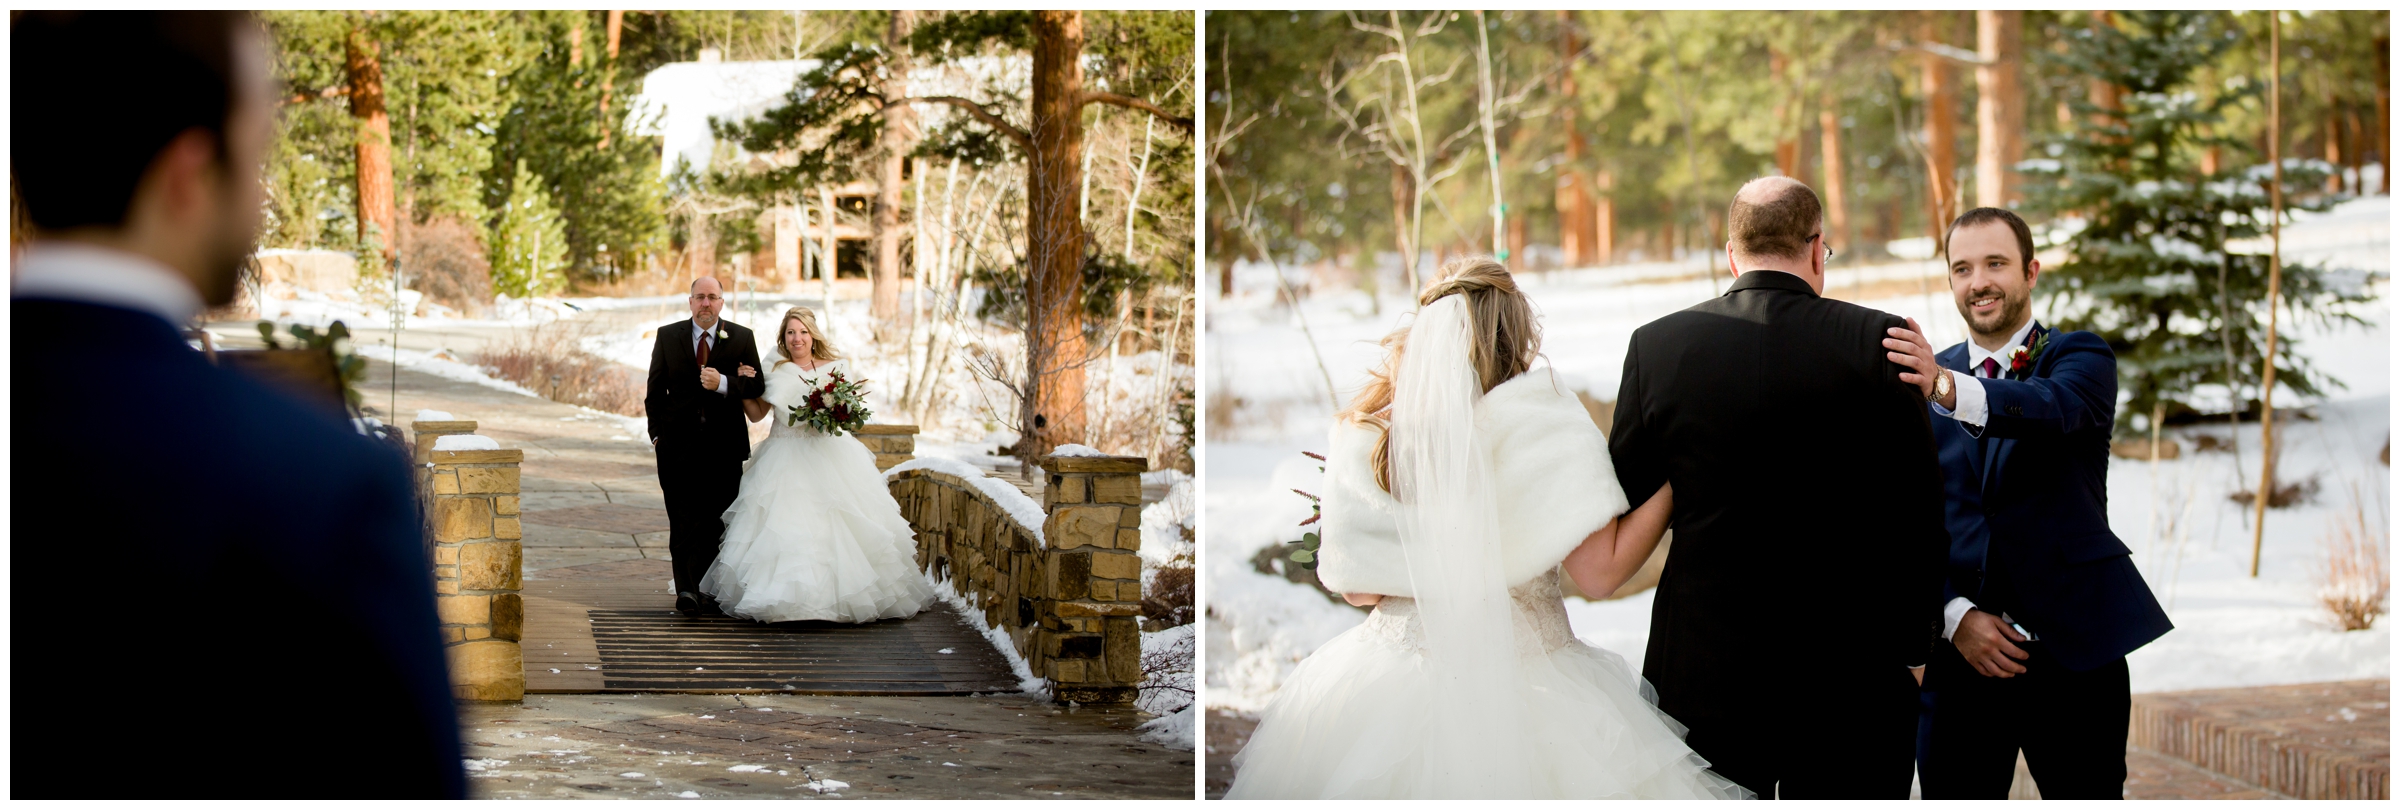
(1507, 339)
(818, 347)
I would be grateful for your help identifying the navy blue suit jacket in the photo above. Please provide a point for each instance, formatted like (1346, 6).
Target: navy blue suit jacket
(197, 557)
(2027, 506)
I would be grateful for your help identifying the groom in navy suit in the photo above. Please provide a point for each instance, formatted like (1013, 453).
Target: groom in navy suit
(199, 558)
(2042, 602)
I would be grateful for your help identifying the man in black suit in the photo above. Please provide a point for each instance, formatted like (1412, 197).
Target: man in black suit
(696, 422)
(1807, 514)
(198, 556)
(2042, 602)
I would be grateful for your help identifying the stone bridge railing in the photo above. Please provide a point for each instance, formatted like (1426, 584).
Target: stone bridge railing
(1061, 576)
(471, 500)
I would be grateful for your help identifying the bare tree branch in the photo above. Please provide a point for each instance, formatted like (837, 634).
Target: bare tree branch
(989, 118)
(1129, 102)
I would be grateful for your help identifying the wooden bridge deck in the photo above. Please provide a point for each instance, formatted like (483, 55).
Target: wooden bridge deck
(612, 627)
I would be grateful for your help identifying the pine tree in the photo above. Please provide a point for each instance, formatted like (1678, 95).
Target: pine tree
(2150, 271)
(529, 244)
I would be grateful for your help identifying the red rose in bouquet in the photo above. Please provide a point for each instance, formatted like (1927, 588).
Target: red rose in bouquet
(839, 407)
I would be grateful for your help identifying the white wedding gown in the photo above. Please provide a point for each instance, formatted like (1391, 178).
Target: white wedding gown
(1363, 717)
(814, 534)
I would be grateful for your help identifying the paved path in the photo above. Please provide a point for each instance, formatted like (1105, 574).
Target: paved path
(661, 746)
(593, 510)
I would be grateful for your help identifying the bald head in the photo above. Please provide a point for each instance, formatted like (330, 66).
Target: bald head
(1773, 218)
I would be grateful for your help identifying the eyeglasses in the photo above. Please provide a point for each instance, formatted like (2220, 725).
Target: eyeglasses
(699, 297)
(1828, 245)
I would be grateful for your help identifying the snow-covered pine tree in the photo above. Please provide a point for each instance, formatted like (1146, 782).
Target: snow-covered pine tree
(2149, 271)
(529, 243)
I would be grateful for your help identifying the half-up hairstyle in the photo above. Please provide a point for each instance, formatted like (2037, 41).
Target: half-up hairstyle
(1507, 339)
(818, 347)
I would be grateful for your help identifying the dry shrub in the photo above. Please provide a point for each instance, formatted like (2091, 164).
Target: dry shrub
(2297, 492)
(1167, 677)
(1169, 600)
(549, 359)
(446, 261)
(2356, 581)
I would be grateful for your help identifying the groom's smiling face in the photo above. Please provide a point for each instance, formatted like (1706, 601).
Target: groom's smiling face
(1993, 285)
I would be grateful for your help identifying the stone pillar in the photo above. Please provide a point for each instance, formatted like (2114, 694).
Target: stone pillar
(478, 569)
(427, 433)
(1090, 645)
(891, 444)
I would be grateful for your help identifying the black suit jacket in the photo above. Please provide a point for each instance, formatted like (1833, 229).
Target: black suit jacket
(2028, 506)
(189, 532)
(1808, 507)
(681, 412)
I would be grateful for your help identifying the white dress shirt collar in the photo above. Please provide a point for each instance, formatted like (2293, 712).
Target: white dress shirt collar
(1976, 354)
(91, 274)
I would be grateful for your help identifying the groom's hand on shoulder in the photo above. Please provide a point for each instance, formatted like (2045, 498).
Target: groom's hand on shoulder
(1983, 640)
(1909, 348)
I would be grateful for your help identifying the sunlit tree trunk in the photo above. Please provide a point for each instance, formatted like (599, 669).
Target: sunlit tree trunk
(374, 137)
(1054, 409)
(1787, 136)
(616, 35)
(1941, 135)
(1837, 209)
(899, 136)
(1999, 106)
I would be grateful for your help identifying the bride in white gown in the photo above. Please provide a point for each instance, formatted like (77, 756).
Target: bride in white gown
(1465, 681)
(814, 534)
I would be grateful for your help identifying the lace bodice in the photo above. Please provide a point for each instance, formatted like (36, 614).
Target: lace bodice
(787, 385)
(1540, 618)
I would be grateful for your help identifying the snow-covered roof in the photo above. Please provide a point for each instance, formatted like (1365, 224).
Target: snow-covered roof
(677, 99)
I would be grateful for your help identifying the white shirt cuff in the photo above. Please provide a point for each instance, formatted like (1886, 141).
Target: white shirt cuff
(1952, 613)
(722, 381)
(1972, 408)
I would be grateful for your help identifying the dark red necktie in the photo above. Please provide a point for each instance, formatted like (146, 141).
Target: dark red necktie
(1991, 367)
(704, 350)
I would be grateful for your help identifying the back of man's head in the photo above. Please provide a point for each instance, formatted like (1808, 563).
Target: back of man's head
(95, 95)
(1772, 218)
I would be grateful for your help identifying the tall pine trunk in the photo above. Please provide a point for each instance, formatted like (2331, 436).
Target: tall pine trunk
(1787, 128)
(1573, 198)
(1837, 207)
(1941, 136)
(1054, 405)
(899, 136)
(1999, 106)
(608, 75)
(374, 137)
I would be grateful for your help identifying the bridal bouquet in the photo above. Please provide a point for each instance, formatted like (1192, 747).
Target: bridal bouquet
(837, 407)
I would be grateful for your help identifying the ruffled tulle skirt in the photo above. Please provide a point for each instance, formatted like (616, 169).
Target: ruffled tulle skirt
(815, 535)
(1353, 722)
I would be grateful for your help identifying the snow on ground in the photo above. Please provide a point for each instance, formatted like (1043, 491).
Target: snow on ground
(443, 365)
(1269, 401)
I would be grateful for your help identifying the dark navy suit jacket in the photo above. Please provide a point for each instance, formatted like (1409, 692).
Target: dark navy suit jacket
(2027, 506)
(208, 564)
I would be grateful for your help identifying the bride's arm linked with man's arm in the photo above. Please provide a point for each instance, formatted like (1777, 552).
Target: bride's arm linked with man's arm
(1610, 556)
(756, 407)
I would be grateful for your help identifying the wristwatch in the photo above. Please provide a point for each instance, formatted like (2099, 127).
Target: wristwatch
(1941, 387)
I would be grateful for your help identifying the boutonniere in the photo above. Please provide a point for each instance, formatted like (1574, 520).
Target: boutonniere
(2020, 359)
(721, 334)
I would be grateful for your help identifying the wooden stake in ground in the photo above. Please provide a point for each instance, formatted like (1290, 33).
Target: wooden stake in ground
(2266, 388)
